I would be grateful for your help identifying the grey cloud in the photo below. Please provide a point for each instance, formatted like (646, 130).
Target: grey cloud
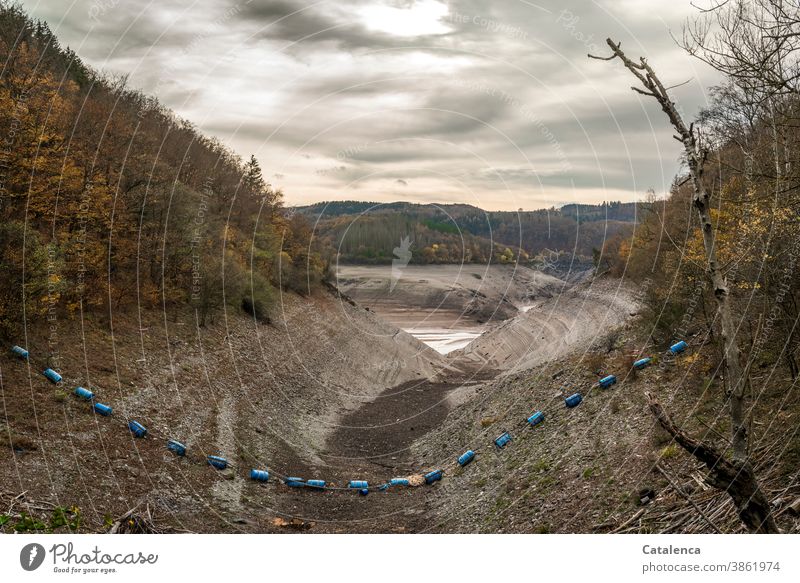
(314, 23)
(506, 97)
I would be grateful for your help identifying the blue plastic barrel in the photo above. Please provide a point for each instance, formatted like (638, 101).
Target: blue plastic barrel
(294, 482)
(433, 476)
(19, 352)
(319, 484)
(84, 393)
(606, 382)
(176, 447)
(536, 418)
(137, 428)
(358, 484)
(52, 375)
(573, 400)
(502, 439)
(364, 491)
(678, 347)
(466, 457)
(399, 482)
(218, 462)
(259, 475)
(642, 362)
(103, 410)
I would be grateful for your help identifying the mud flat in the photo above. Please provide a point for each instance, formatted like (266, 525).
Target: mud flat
(329, 390)
(374, 443)
(446, 306)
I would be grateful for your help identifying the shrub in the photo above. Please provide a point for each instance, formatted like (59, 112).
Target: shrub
(259, 299)
(669, 452)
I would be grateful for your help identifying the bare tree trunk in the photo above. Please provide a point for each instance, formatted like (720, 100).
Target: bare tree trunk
(696, 158)
(790, 309)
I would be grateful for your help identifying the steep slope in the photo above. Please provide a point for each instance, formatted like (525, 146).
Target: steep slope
(262, 396)
(301, 397)
(553, 326)
(606, 465)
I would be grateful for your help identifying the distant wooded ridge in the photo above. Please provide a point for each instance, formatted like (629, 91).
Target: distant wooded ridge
(368, 232)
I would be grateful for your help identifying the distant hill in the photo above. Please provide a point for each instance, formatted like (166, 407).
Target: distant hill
(368, 232)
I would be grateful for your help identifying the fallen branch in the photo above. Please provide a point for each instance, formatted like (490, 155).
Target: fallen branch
(735, 478)
(632, 519)
(680, 491)
(132, 523)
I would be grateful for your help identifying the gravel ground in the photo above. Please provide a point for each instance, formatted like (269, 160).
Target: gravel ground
(260, 395)
(553, 326)
(330, 391)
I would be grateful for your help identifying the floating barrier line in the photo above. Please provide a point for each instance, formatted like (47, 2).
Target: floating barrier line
(156, 434)
(221, 463)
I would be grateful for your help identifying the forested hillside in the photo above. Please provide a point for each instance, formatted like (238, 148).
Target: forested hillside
(108, 198)
(754, 175)
(368, 232)
(718, 259)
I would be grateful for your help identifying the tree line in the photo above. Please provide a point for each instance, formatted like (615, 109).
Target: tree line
(719, 257)
(368, 232)
(107, 198)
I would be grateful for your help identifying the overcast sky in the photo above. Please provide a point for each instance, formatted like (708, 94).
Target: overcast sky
(489, 103)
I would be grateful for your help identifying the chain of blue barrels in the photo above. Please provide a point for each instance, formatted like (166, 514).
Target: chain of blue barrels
(361, 486)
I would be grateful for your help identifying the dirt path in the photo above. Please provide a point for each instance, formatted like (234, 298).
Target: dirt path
(373, 443)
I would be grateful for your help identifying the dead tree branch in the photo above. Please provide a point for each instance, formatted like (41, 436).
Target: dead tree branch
(696, 157)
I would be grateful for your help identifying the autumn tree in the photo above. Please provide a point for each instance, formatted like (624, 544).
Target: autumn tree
(737, 476)
(128, 202)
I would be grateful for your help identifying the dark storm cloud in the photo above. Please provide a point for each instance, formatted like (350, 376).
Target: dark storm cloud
(303, 22)
(470, 96)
